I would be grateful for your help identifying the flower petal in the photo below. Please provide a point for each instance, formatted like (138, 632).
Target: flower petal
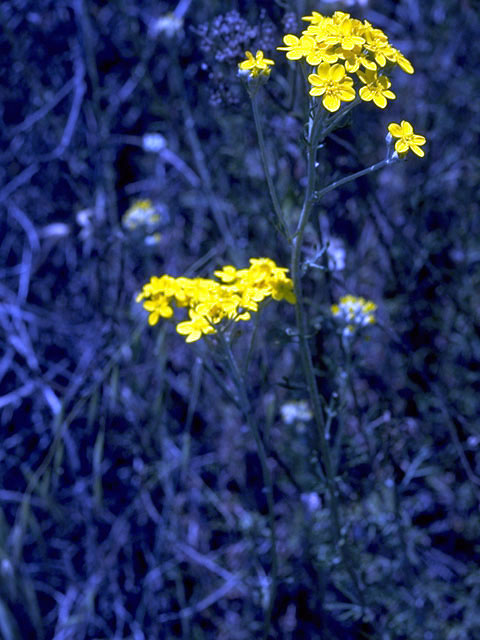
(323, 71)
(401, 146)
(347, 94)
(417, 150)
(395, 129)
(380, 100)
(416, 139)
(363, 77)
(290, 40)
(337, 72)
(332, 103)
(296, 54)
(365, 94)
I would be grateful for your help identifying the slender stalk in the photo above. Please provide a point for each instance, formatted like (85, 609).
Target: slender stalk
(347, 384)
(314, 135)
(248, 357)
(305, 353)
(353, 176)
(333, 122)
(239, 382)
(263, 154)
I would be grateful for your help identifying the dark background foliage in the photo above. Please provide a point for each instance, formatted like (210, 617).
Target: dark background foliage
(131, 497)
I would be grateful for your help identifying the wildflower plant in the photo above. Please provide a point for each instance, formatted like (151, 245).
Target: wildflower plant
(342, 62)
(137, 468)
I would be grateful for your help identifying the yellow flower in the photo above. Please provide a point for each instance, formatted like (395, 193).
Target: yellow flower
(407, 139)
(141, 213)
(354, 58)
(282, 289)
(158, 309)
(257, 65)
(315, 18)
(403, 62)
(210, 303)
(344, 34)
(376, 88)
(321, 51)
(215, 310)
(297, 47)
(354, 313)
(194, 328)
(332, 83)
(226, 274)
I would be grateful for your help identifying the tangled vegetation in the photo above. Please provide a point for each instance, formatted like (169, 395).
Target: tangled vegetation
(302, 461)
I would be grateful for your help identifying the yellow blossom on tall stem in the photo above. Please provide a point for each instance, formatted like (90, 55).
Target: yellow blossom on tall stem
(297, 47)
(407, 139)
(377, 88)
(344, 35)
(195, 328)
(256, 65)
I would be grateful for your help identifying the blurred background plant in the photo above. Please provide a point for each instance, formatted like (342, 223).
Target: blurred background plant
(131, 494)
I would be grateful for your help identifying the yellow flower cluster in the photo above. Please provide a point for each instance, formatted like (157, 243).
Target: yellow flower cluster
(142, 213)
(209, 302)
(339, 45)
(354, 313)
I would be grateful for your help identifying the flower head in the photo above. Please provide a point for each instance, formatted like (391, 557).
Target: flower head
(297, 47)
(354, 313)
(407, 139)
(344, 33)
(377, 88)
(153, 142)
(195, 328)
(333, 84)
(167, 25)
(349, 46)
(296, 411)
(215, 305)
(256, 65)
(142, 213)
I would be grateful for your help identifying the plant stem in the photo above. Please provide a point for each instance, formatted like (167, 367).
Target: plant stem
(353, 176)
(239, 382)
(305, 353)
(314, 135)
(263, 153)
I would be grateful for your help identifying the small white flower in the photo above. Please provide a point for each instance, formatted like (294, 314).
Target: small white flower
(167, 25)
(298, 411)
(311, 500)
(153, 142)
(84, 220)
(84, 217)
(336, 255)
(152, 239)
(55, 230)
